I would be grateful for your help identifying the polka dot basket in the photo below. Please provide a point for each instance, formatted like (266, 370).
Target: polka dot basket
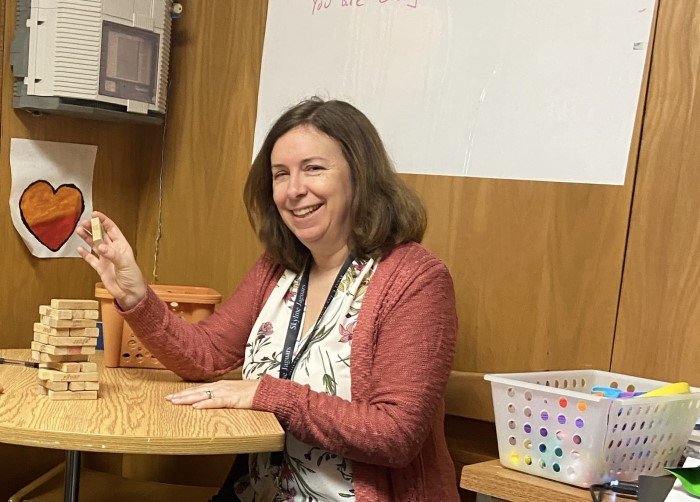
(550, 424)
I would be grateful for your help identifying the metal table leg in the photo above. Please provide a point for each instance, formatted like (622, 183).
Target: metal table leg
(72, 479)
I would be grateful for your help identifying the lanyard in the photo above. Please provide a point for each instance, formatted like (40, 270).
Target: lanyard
(288, 364)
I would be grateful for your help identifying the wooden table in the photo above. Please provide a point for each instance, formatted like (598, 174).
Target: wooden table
(491, 479)
(130, 416)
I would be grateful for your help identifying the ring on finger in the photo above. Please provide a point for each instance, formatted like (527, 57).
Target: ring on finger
(210, 394)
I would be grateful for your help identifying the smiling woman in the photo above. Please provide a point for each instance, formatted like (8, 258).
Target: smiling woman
(345, 327)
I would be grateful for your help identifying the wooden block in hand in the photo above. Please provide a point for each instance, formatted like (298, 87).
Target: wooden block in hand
(59, 376)
(97, 232)
(55, 313)
(62, 351)
(60, 303)
(68, 323)
(72, 395)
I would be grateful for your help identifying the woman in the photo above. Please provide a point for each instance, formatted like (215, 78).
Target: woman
(345, 326)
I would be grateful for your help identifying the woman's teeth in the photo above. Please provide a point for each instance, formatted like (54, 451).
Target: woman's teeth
(307, 210)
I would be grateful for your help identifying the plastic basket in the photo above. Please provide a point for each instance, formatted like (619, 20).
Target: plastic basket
(550, 425)
(123, 348)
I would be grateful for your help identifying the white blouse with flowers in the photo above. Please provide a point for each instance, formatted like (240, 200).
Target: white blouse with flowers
(306, 472)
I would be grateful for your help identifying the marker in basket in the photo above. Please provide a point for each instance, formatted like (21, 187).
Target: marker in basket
(671, 389)
(613, 392)
(28, 364)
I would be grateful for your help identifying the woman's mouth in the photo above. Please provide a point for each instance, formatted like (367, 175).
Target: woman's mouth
(301, 213)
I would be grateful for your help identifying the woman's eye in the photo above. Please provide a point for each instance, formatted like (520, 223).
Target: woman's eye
(313, 167)
(278, 174)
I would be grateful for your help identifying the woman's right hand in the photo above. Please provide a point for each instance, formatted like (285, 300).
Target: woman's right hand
(114, 261)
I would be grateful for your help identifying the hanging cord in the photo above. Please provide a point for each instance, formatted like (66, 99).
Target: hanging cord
(159, 227)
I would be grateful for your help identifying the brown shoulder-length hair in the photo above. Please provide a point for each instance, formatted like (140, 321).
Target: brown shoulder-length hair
(384, 212)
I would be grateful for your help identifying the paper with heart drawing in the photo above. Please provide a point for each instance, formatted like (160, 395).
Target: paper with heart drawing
(51, 192)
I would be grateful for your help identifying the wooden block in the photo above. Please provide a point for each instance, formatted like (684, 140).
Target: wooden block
(42, 328)
(52, 358)
(68, 341)
(53, 385)
(35, 355)
(91, 385)
(41, 337)
(88, 367)
(42, 391)
(85, 314)
(65, 367)
(72, 395)
(45, 328)
(98, 231)
(89, 332)
(82, 385)
(59, 303)
(59, 376)
(55, 313)
(68, 323)
(62, 351)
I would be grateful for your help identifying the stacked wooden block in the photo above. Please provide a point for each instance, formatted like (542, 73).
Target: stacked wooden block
(63, 342)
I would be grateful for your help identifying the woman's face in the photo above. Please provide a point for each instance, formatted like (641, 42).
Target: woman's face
(312, 189)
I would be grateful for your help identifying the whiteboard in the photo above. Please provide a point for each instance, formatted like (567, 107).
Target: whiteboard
(518, 89)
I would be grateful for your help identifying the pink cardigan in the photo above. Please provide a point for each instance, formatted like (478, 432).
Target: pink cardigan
(402, 351)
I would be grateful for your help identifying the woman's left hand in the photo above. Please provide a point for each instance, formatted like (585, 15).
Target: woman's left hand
(221, 394)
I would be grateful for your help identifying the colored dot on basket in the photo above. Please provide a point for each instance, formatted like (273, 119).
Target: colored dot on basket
(512, 440)
(528, 460)
(579, 423)
(558, 452)
(556, 467)
(577, 439)
(543, 464)
(543, 447)
(514, 457)
(544, 415)
(543, 432)
(527, 428)
(563, 402)
(561, 419)
(527, 444)
(581, 406)
(561, 435)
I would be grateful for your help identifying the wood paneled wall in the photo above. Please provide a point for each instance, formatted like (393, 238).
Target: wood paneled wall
(206, 239)
(658, 333)
(124, 157)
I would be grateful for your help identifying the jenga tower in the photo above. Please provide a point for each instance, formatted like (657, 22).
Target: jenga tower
(63, 342)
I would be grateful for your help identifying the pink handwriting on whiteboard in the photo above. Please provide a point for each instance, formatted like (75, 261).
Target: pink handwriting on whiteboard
(320, 5)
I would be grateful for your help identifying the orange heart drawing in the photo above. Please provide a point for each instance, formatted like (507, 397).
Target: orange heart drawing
(51, 215)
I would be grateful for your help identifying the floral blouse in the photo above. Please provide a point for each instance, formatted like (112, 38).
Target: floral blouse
(306, 472)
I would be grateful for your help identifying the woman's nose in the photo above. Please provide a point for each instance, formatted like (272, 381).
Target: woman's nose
(296, 186)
